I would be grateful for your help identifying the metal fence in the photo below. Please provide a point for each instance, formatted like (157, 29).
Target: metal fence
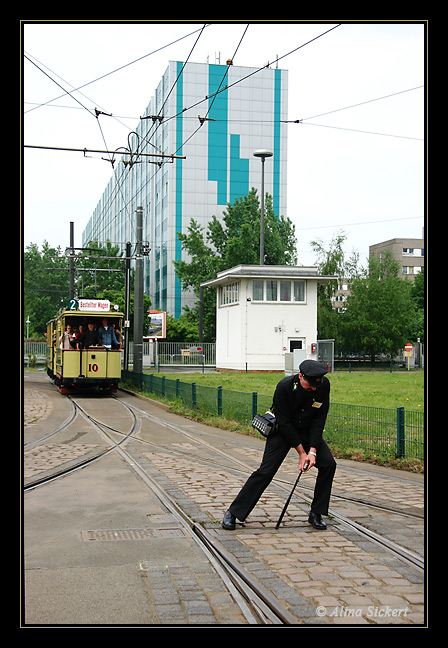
(158, 353)
(393, 432)
(155, 354)
(186, 353)
(179, 355)
(397, 432)
(34, 353)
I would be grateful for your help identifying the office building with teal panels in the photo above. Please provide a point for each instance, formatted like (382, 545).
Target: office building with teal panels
(212, 118)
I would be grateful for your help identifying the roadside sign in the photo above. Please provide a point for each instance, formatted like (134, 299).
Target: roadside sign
(408, 351)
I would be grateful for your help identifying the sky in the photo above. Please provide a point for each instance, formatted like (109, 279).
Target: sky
(356, 160)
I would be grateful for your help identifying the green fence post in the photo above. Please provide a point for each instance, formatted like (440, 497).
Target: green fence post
(254, 404)
(177, 387)
(219, 400)
(193, 395)
(163, 385)
(400, 432)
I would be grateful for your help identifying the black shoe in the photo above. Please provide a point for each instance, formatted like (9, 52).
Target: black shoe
(229, 521)
(316, 520)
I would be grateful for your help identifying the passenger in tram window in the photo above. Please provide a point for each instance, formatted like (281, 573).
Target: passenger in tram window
(79, 337)
(107, 335)
(118, 335)
(67, 337)
(90, 337)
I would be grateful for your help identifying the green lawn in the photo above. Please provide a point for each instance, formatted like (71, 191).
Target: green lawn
(375, 389)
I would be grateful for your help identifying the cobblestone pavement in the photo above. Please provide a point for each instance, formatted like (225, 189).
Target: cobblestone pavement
(37, 406)
(324, 578)
(330, 577)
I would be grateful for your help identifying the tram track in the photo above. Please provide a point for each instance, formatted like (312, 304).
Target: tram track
(404, 554)
(59, 428)
(62, 472)
(393, 547)
(257, 603)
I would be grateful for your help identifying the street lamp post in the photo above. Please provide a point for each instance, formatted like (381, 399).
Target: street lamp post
(263, 154)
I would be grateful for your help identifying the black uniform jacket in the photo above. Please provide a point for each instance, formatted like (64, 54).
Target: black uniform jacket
(300, 414)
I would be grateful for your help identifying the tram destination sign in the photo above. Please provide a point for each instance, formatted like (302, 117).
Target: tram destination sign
(95, 305)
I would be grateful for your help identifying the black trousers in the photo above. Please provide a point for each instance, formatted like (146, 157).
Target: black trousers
(275, 452)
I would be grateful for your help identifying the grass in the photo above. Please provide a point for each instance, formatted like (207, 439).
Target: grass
(375, 389)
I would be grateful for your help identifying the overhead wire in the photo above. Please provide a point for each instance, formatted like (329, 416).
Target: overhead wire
(145, 141)
(171, 90)
(94, 113)
(303, 119)
(238, 81)
(119, 182)
(357, 130)
(215, 94)
(67, 92)
(166, 98)
(363, 103)
(159, 116)
(121, 67)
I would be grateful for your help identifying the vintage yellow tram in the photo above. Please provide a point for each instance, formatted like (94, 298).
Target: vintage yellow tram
(84, 343)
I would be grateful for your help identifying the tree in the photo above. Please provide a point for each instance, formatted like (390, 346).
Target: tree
(98, 268)
(418, 298)
(232, 241)
(118, 297)
(181, 329)
(378, 311)
(45, 286)
(237, 237)
(331, 262)
(46, 280)
(418, 290)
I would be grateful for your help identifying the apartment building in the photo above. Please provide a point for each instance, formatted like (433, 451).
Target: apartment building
(213, 118)
(409, 252)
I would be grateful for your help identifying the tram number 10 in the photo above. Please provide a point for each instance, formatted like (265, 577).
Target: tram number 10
(93, 367)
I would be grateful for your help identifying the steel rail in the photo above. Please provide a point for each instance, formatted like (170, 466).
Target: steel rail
(400, 552)
(63, 425)
(257, 604)
(268, 608)
(59, 473)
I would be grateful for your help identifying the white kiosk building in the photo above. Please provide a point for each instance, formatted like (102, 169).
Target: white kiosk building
(263, 313)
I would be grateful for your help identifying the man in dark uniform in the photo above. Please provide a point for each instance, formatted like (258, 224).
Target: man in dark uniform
(300, 407)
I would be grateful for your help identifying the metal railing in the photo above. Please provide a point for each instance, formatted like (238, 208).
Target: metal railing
(397, 432)
(34, 353)
(393, 432)
(160, 354)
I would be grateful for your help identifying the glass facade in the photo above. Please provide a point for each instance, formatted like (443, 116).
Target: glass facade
(215, 117)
